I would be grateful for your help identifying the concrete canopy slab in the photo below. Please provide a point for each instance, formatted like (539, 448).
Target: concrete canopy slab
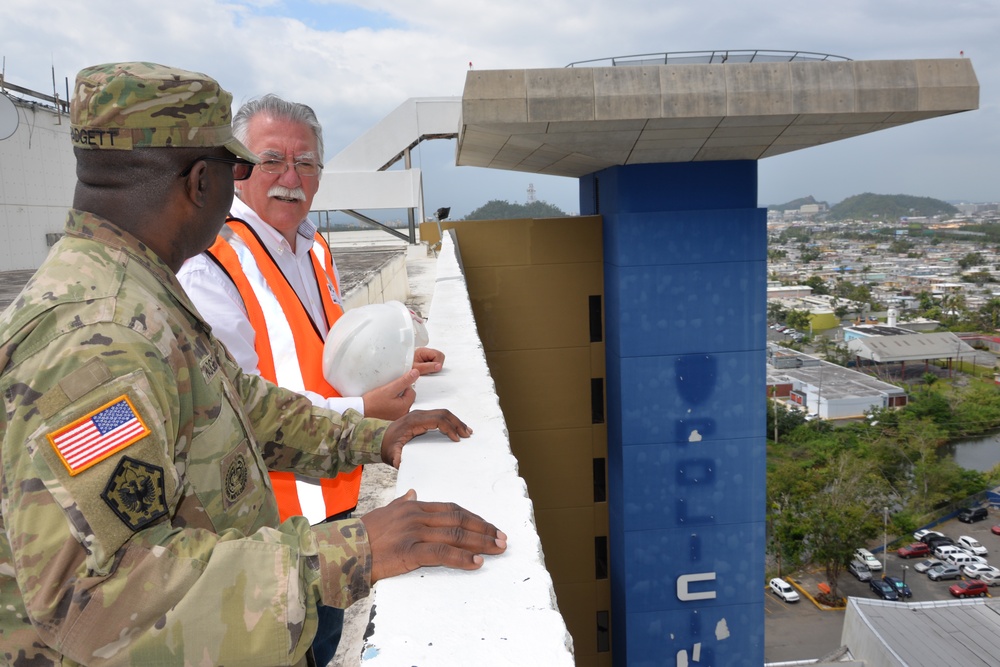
(574, 121)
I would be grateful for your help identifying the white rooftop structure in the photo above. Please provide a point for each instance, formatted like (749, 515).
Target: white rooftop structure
(912, 347)
(923, 634)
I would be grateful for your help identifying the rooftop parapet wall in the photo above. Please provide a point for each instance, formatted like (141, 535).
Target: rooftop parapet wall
(506, 612)
(575, 121)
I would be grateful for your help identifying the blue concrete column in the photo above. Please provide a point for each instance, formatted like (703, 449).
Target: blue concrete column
(685, 270)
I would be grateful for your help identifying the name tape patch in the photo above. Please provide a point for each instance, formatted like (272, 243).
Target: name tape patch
(96, 436)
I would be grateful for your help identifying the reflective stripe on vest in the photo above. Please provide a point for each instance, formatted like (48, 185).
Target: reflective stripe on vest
(290, 352)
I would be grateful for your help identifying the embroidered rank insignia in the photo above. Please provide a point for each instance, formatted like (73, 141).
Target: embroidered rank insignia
(96, 436)
(136, 493)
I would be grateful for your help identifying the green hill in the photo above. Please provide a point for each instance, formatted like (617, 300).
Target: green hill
(870, 206)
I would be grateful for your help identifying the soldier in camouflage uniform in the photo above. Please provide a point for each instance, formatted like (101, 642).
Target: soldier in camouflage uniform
(138, 525)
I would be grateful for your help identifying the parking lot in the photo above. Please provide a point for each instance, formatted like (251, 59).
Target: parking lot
(801, 631)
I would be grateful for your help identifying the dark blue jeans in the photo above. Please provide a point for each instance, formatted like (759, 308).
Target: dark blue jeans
(331, 621)
(331, 625)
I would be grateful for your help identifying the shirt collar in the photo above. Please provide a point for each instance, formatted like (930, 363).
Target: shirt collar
(307, 229)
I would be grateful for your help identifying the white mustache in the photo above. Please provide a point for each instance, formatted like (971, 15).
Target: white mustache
(286, 193)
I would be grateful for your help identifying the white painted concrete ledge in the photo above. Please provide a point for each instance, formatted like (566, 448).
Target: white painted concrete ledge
(504, 613)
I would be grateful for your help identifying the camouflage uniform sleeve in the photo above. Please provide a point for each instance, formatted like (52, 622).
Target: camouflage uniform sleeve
(168, 550)
(294, 434)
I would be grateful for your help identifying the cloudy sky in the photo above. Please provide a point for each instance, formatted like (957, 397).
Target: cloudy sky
(355, 61)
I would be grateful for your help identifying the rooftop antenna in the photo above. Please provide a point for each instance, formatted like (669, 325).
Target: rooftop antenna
(531, 193)
(55, 95)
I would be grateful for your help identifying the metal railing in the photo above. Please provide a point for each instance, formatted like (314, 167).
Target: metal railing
(709, 57)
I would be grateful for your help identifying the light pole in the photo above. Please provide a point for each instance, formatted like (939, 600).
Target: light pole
(885, 536)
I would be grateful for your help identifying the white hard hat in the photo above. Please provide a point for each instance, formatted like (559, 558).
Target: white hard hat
(369, 346)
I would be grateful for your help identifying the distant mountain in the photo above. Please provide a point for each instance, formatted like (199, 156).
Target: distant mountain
(870, 206)
(796, 204)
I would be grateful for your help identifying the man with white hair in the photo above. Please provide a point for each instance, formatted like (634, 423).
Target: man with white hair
(270, 289)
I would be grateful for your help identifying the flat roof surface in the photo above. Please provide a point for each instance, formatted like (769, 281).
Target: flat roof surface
(575, 121)
(932, 634)
(835, 382)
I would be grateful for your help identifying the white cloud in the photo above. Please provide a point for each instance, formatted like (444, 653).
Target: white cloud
(356, 61)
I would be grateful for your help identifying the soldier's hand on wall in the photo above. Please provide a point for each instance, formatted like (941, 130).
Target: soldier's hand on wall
(417, 423)
(407, 534)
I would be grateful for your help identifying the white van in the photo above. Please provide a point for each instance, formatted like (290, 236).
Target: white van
(946, 550)
(960, 559)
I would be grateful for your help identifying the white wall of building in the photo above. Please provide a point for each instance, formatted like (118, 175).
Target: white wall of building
(37, 179)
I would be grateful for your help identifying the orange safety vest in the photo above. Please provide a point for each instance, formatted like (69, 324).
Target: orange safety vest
(239, 251)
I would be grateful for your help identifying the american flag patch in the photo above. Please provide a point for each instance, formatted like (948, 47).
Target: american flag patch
(93, 438)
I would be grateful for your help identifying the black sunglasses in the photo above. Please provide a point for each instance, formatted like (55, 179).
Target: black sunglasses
(241, 168)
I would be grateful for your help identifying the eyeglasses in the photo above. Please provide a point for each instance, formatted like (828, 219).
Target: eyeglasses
(241, 168)
(280, 167)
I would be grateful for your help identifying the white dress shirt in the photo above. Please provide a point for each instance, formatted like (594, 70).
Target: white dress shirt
(220, 303)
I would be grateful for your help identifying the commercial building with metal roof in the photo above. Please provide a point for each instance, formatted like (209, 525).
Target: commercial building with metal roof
(825, 389)
(922, 634)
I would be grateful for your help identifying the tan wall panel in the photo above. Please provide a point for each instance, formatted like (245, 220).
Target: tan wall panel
(577, 605)
(568, 540)
(557, 465)
(554, 297)
(543, 389)
(523, 241)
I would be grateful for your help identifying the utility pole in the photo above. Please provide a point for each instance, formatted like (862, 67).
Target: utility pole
(885, 537)
(774, 402)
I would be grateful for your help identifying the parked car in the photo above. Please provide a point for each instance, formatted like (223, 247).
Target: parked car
(915, 550)
(921, 534)
(979, 570)
(969, 588)
(943, 571)
(934, 536)
(972, 544)
(935, 541)
(944, 550)
(868, 558)
(783, 590)
(995, 529)
(883, 589)
(925, 565)
(859, 570)
(901, 588)
(971, 514)
(989, 579)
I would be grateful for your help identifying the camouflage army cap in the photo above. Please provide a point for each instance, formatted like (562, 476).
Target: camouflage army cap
(144, 105)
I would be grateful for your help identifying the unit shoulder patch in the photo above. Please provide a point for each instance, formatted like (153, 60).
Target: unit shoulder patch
(135, 492)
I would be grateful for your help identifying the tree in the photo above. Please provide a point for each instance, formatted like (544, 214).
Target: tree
(970, 259)
(501, 209)
(798, 319)
(808, 255)
(817, 284)
(776, 312)
(900, 246)
(989, 314)
(845, 513)
(980, 278)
